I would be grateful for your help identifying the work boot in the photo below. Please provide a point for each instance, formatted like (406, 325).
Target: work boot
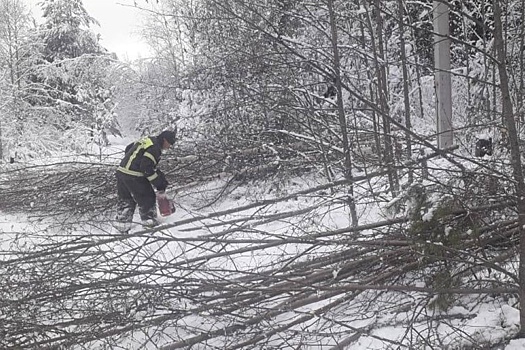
(150, 223)
(122, 227)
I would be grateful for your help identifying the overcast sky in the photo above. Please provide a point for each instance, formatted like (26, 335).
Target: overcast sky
(118, 28)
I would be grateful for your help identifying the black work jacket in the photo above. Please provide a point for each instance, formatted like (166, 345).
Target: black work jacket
(141, 160)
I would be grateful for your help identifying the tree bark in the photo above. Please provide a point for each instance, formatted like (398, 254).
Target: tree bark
(508, 117)
(382, 94)
(380, 62)
(406, 99)
(341, 114)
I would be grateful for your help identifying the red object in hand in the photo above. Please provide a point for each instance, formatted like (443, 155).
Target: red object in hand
(166, 206)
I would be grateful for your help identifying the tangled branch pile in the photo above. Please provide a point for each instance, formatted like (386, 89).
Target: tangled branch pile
(59, 189)
(277, 273)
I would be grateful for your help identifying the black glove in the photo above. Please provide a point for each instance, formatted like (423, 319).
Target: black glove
(160, 182)
(162, 187)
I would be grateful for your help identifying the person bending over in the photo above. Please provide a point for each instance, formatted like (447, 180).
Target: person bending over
(136, 177)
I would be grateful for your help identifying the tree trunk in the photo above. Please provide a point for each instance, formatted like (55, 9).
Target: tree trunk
(341, 114)
(406, 99)
(508, 117)
(382, 92)
(370, 79)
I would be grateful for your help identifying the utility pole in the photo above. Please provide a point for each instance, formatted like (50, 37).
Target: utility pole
(442, 76)
(1, 149)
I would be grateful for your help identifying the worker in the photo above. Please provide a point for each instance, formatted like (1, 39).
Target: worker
(137, 176)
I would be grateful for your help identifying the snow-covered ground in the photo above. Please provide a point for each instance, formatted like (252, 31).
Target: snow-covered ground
(234, 238)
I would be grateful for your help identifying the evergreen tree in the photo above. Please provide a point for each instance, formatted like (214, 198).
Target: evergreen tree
(65, 31)
(71, 82)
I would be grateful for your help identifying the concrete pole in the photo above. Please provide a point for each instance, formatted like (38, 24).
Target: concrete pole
(1, 149)
(442, 76)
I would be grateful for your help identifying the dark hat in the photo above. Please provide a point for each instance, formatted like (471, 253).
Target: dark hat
(168, 136)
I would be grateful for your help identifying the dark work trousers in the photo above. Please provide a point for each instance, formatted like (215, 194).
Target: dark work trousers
(133, 191)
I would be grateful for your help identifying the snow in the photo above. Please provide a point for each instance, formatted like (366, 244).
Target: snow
(516, 344)
(179, 238)
(198, 268)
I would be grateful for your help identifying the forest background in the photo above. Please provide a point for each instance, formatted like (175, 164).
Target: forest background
(312, 129)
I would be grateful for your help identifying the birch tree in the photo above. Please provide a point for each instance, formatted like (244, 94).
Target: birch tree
(513, 137)
(16, 53)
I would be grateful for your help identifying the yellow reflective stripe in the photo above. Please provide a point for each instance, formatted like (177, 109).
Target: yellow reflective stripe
(143, 144)
(150, 156)
(130, 172)
(152, 177)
